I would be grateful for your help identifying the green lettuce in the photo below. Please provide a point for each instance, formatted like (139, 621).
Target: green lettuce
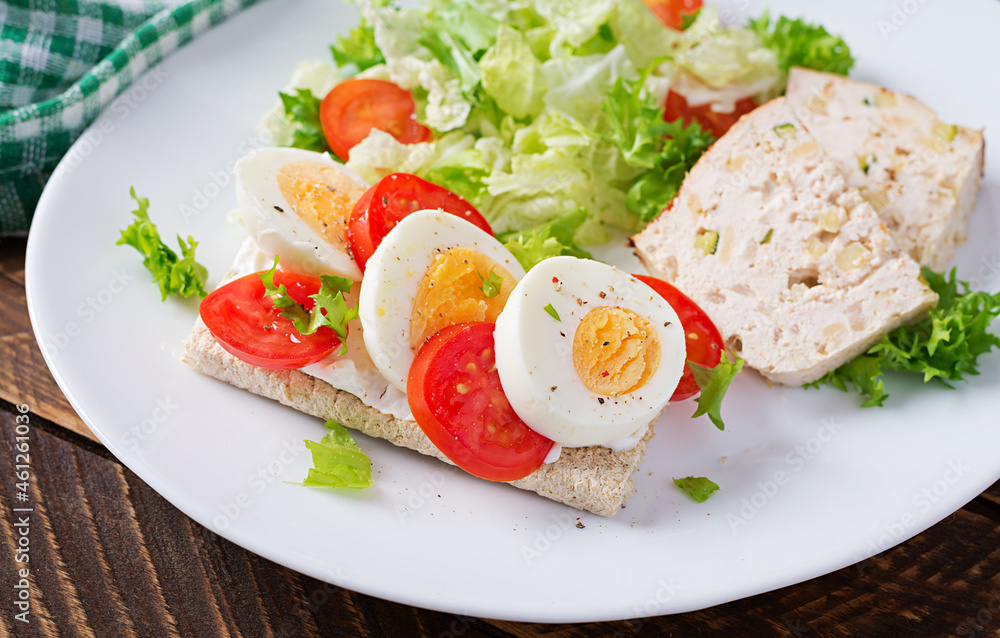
(714, 382)
(302, 115)
(721, 56)
(338, 461)
(330, 309)
(697, 487)
(665, 151)
(182, 275)
(358, 48)
(799, 43)
(945, 345)
(512, 75)
(553, 239)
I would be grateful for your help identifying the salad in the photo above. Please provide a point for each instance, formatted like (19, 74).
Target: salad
(537, 110)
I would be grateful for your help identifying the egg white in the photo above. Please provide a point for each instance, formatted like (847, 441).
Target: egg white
(272, 222)
(392, 280)
(534, 354)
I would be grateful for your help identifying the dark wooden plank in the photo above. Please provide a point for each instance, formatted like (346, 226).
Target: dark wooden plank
(943, 582)
(24, 377)
(110, 557)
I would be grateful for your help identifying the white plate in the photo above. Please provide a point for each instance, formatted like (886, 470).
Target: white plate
(810, 483)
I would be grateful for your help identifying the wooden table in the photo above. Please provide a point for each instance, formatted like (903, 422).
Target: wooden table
(111, 557)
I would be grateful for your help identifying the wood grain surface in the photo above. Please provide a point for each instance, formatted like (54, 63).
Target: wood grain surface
(110, 557)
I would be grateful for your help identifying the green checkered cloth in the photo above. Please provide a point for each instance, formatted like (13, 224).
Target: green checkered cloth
(62, 62)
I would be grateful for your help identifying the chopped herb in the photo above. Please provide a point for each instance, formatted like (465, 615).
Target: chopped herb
(707, 242)
(181, 276)
(947, 132)
(867, 102)
(697, 487)
(865, 162)
(552, 312)
(491, 284)
(767, 237)
(785, 130)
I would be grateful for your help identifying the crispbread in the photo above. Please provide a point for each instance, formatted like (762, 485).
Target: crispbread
(595, 479)
(792, 265)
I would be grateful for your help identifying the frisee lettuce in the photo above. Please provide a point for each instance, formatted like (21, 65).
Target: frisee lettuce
(302, 114)
(697, 487)
(552, 239)
(714, 382)
(181, 276)
(945, 345)
(799, 43)
(666, 150)
(331, 308)
(338, 461)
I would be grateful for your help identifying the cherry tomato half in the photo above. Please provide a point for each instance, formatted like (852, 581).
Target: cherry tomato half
(717, 123)
(390, 200)
(248, 326)
(702, 338)
(454, 392)
(671, 12)
(354, 107)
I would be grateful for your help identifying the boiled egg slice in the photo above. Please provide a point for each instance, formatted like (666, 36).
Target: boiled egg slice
(296, 204)
(588, 354)
(427, 274)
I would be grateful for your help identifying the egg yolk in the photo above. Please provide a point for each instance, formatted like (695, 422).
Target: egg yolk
(451, 292)
(615, 351)
(321, 196)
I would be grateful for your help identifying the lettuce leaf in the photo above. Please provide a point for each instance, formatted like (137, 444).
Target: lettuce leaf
(697, 487)
(945, 345)
(532, 246)
(714, 382)
(512, 75)
(666, 151)
(358, 48)
(338, 461)
(721, 56)
(330, 310)
(302, 115)
(799, 43)
(180, 276)
(577, 85)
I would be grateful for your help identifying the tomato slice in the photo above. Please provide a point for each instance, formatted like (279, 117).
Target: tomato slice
(702, 338)
(354, 107)
(455, 394)
(248, 326)
(671, 12)
(717, 123)
(390, 200)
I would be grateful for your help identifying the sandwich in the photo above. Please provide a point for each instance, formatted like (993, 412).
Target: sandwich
(587, 355)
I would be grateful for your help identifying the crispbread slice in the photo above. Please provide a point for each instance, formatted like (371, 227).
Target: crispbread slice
(920, 174)
(794, 267)
(595, 479)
